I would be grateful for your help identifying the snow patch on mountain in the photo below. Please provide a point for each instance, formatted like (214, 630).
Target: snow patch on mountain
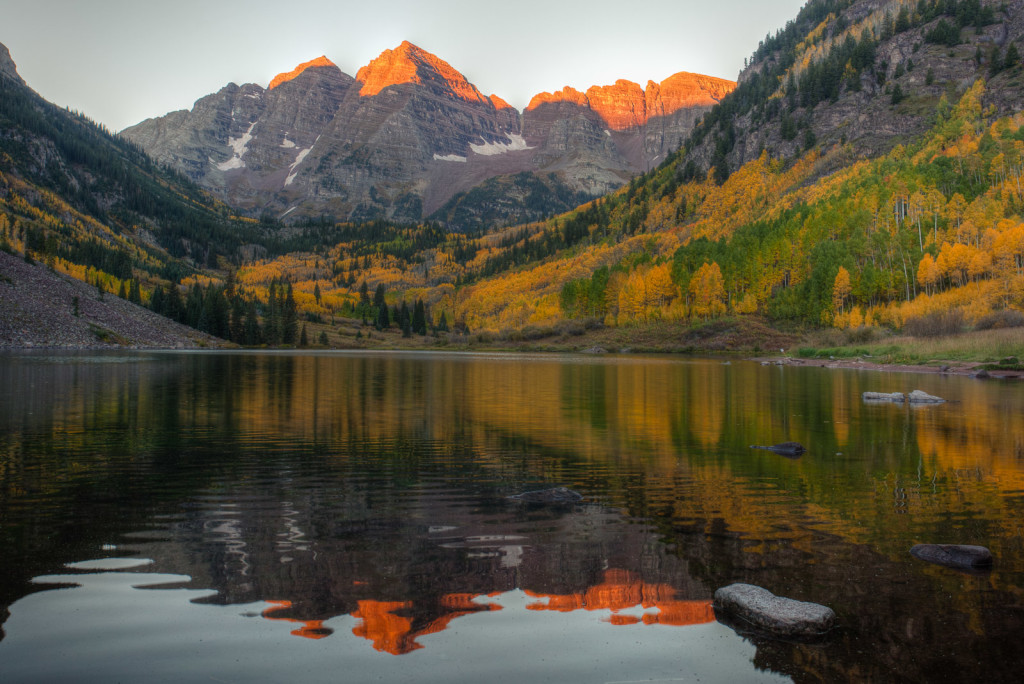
(515, 144)
(240, 147)
(288, 144)
(449, 158)
(298, 160)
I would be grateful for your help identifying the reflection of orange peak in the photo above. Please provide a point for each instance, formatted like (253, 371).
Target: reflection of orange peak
(284, 78)
(626, 105)
(310, 629)
(621, 590)
(410, 64)
(394, 634)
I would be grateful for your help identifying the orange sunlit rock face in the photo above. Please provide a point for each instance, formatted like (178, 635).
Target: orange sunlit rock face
(395, 634)
(626, 105)
(499, 103)
(622, 590)
(294, 73)
(410, 64)
(310, 629)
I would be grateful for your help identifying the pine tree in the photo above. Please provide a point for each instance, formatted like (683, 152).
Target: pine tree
(251, 330)
(290, 318)
(1012, 57)
(419, 318)
(303, 337)
(157, 301)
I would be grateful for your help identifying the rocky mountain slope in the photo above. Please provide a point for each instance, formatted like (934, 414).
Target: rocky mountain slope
(40, 308)
(409, 132)
(867, 73)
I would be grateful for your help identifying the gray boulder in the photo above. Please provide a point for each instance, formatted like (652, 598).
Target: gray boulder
(561, 496)
(919, 397)
(747, 605)
(963, 556)
(884, 396)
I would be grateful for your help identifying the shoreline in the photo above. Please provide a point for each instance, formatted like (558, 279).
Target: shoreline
(961, 368)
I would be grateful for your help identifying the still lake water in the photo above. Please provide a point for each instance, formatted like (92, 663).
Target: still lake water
(337, 517)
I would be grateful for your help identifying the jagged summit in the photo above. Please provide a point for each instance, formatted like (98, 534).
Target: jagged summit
(409, 132)
(7, 66)
(408, 63)
(626, 105)
(294, 73)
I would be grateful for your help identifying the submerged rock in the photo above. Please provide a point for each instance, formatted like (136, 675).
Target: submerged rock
(884, 396)
(919, 397)
(555, 495)
(784, 449)
(964, 556)
(765, 612)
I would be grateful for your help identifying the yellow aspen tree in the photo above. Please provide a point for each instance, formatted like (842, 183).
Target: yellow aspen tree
(707, 291)
(660, 290)
(927, 273)
(841, 290)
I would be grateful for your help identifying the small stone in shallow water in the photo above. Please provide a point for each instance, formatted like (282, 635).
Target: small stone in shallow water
(765, 612)
(883, 396)
(919, 397)
(954, 555)
(555, 495)
(784, 449)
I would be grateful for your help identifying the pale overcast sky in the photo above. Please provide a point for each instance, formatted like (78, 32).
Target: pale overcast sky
(121, 61)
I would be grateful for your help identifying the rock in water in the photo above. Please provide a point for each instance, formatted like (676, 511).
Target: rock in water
(963, 556)
(919, 397)
(556, 495)
(765, 612)
(784, 449)
(883, 396)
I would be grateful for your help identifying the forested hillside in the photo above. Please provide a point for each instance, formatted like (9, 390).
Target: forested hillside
(866, 172)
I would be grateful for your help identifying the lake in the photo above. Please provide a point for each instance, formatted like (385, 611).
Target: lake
(325, 517)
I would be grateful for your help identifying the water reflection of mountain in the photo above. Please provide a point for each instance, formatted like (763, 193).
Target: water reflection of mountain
(407, 566)
(374, 487)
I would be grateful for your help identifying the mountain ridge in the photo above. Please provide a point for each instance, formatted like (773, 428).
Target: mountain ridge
(409, 132)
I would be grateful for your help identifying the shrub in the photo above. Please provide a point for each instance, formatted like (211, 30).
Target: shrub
(1007, 318)
(863, 334)
(936, 325)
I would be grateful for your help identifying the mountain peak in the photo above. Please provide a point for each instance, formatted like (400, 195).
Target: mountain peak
(409, 63)
(294, 73)
(626, 105)
(7, 66)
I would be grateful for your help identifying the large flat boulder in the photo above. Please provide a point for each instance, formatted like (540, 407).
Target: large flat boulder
(896, 397)
(919, 397)
(773, 615)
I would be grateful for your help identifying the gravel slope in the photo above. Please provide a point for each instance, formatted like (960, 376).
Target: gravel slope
(37, 305)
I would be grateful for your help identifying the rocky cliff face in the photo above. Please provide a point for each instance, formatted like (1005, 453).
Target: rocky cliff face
(801, 90)
(7, 67)
(409, 132)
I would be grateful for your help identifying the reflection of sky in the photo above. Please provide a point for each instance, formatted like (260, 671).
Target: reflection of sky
(107, 630)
